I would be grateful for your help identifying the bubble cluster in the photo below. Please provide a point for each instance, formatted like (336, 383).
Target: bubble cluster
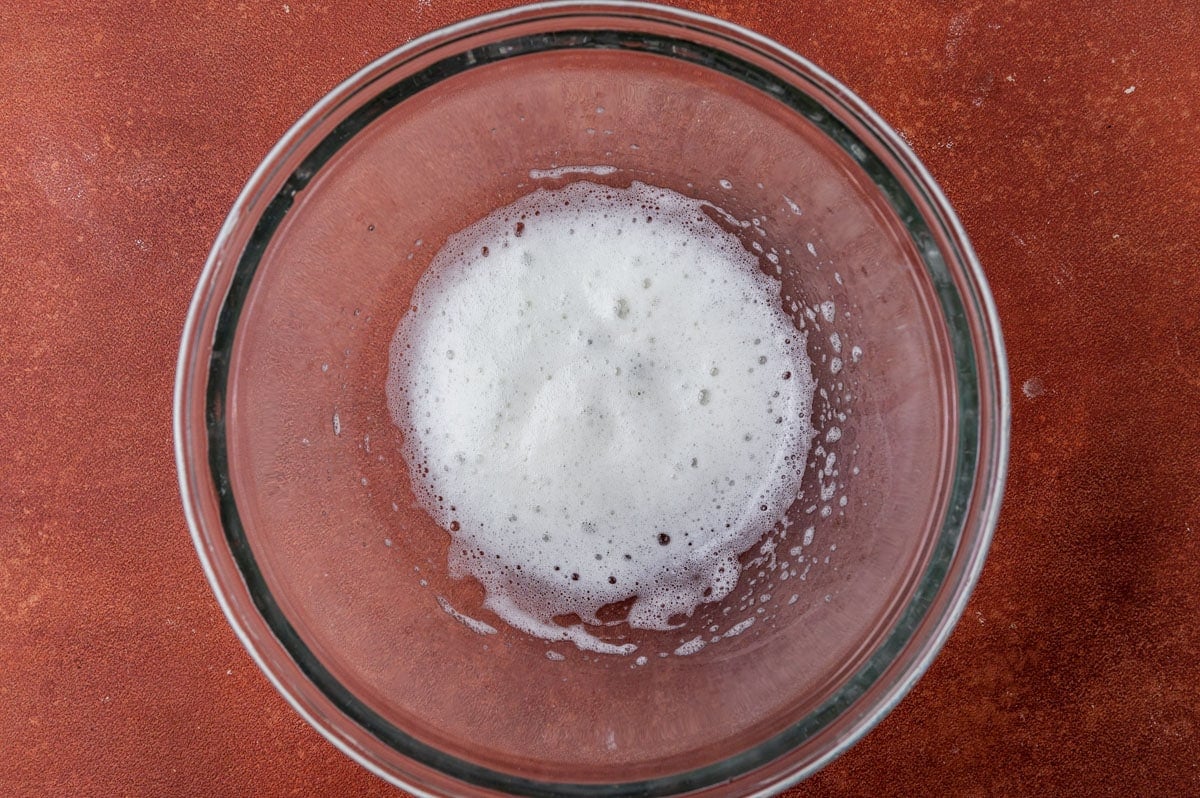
(604, 403)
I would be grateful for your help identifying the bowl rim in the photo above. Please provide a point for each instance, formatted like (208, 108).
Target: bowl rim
(193, 365)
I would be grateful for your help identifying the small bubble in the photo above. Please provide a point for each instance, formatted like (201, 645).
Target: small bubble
(663, 538)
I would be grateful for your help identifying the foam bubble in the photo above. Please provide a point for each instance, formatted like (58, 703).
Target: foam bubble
(626, 408)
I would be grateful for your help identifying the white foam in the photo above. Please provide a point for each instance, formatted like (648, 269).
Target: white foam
(478, 627)
(562, 171)
(602, 398)
(690, 647)
(738, 628)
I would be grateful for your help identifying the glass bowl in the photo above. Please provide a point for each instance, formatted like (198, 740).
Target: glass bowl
(300, 504)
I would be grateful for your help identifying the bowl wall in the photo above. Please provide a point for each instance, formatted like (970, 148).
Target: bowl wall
(301, 502)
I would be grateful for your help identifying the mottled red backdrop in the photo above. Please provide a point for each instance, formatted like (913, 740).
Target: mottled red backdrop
(1066, 134)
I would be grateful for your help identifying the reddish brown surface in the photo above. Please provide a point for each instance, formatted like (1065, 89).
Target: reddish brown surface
(127, 133)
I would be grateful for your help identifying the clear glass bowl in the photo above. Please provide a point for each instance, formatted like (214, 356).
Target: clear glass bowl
(299, 501)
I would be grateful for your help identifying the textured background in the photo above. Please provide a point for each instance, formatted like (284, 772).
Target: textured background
(1066, 134)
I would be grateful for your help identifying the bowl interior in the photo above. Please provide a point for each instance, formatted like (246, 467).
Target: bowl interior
(324, 497)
